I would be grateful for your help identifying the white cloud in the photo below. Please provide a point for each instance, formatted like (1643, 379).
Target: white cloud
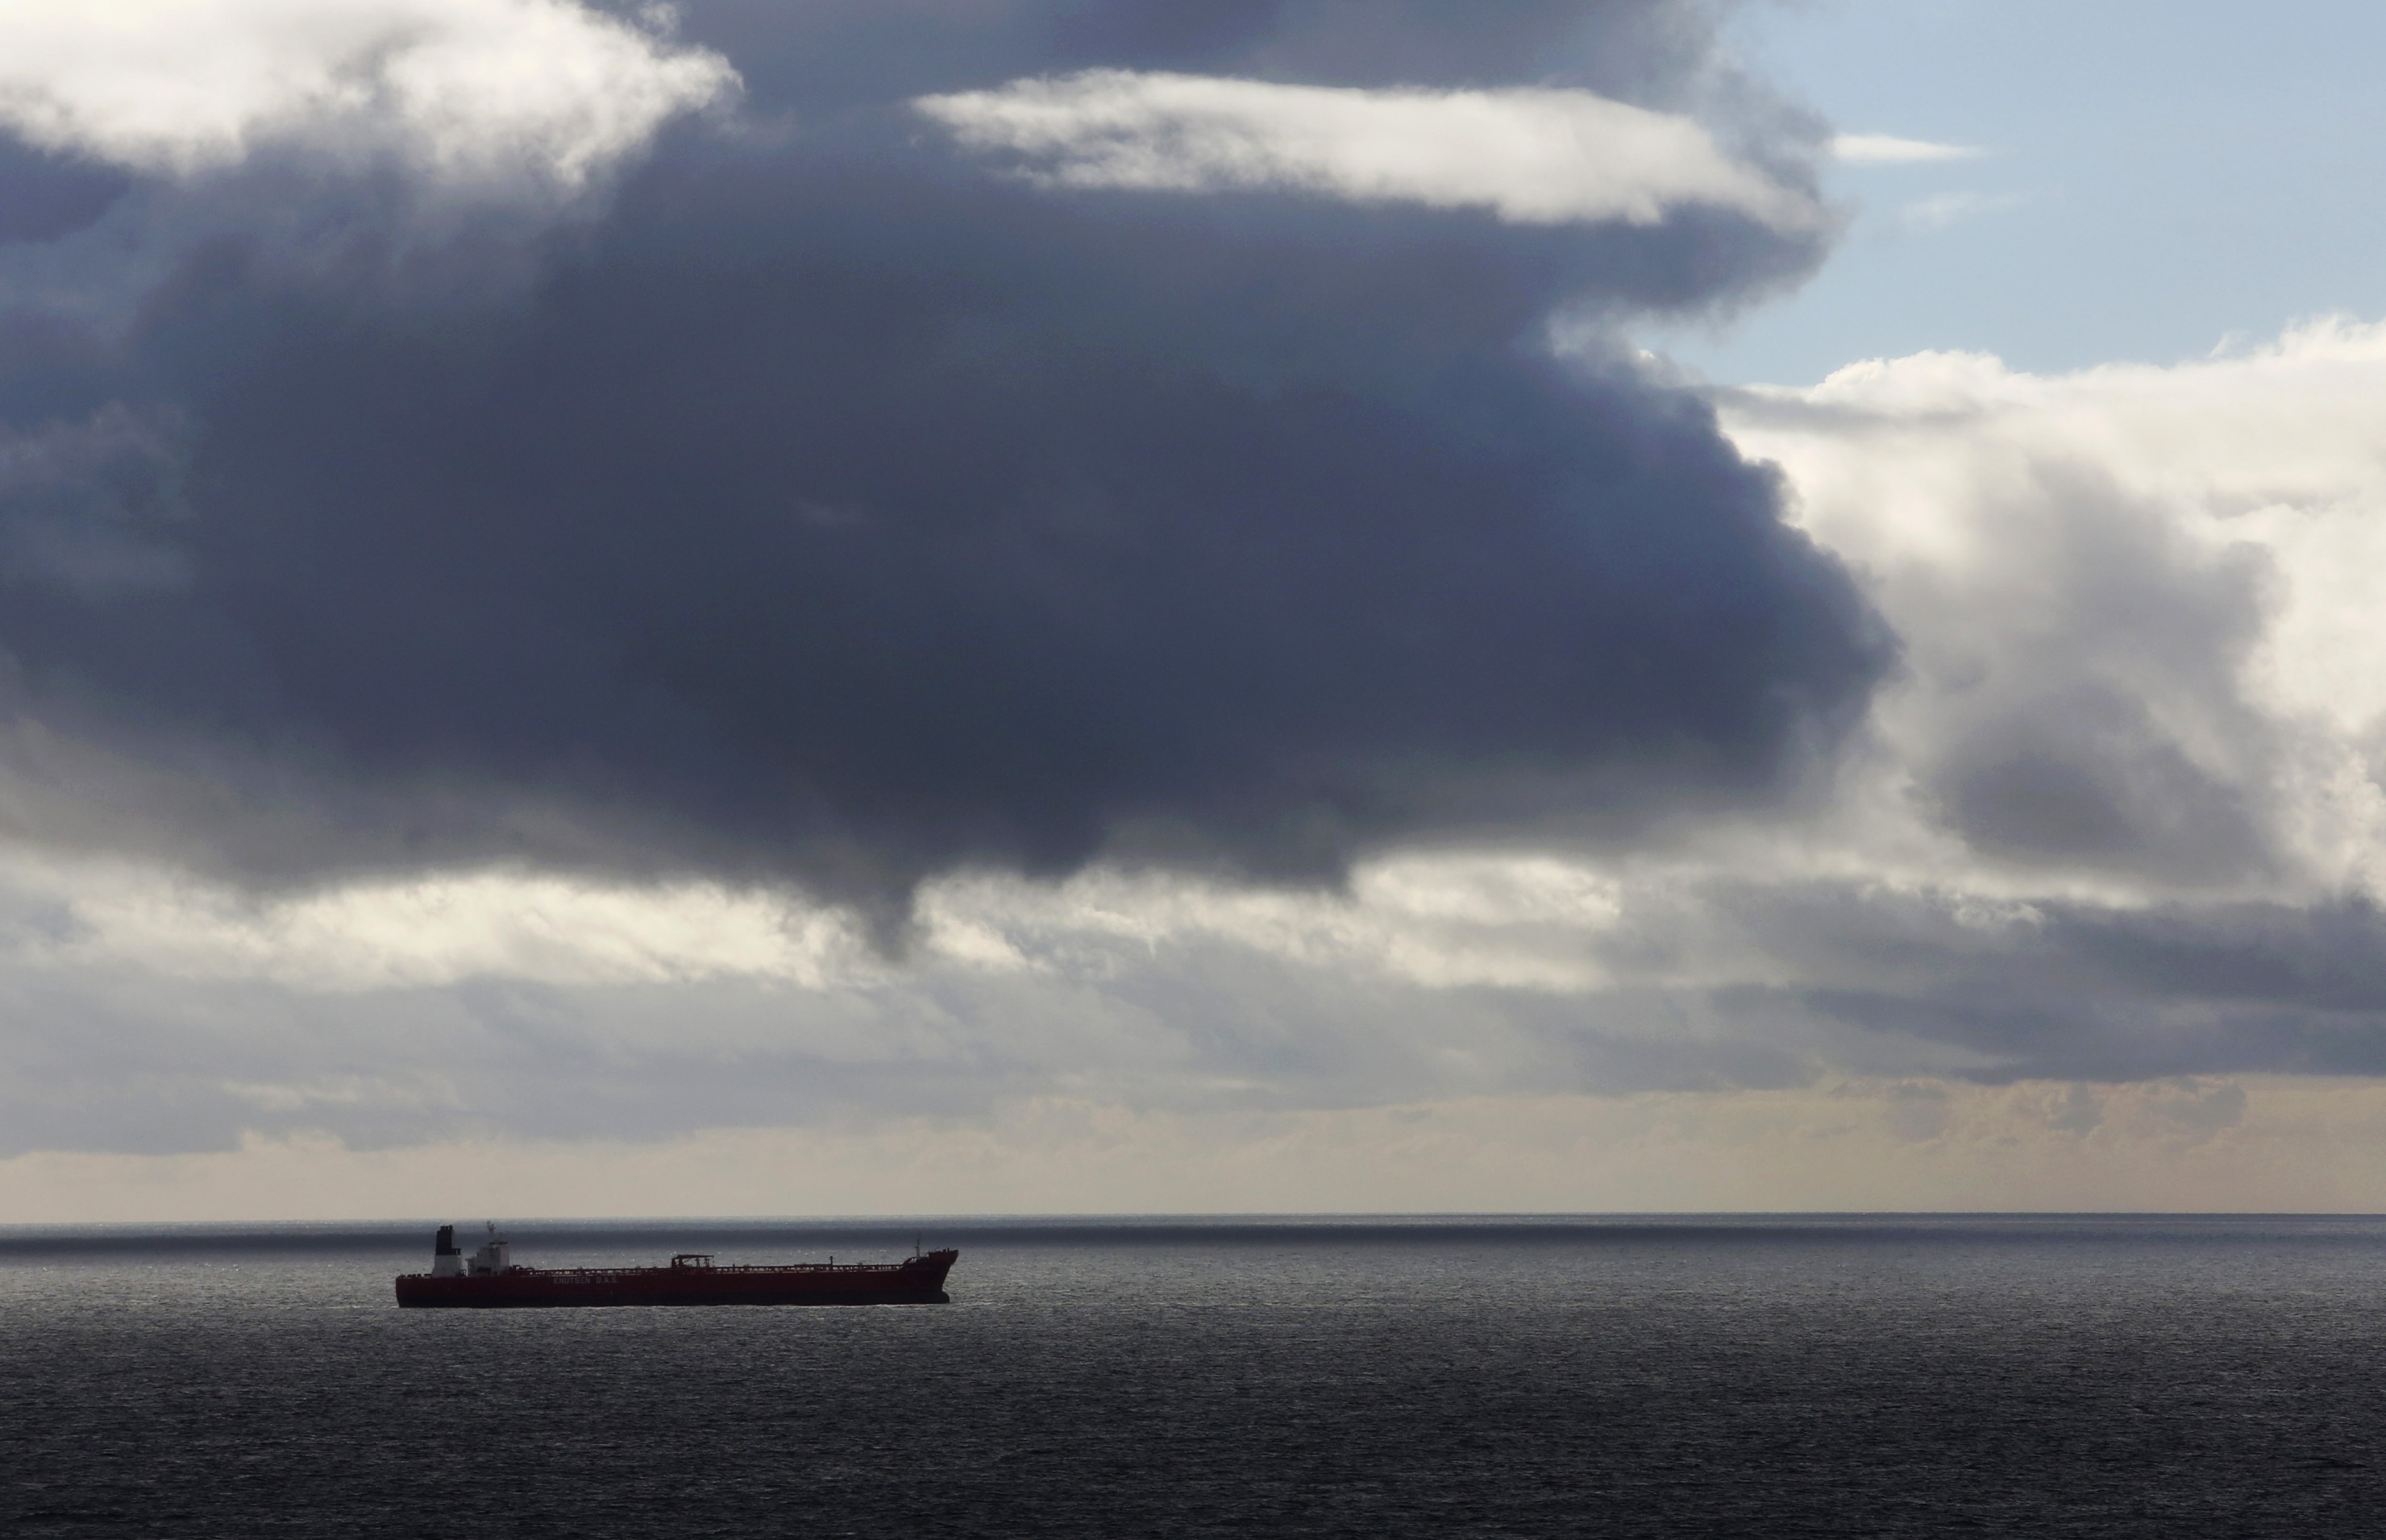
(2140, 603)
(1529, 155)
(1436, 921)
(436, 930)
(1883, 149)
(1429, 920)
(465, 91)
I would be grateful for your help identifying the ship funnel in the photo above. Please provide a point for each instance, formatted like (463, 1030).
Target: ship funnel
(446, 1245)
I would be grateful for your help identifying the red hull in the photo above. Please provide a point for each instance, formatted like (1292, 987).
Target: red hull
(919, 1281)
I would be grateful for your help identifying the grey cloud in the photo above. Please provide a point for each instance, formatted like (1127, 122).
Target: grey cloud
(163, 1066)
(1830, 981)
(2080, 754)
(90, 505)
(2074, 693)
(112, 1054)
(842, 53)
(2092, 784)
(2070, 990)
(45, 196)
(826, 508)
(2105, 679)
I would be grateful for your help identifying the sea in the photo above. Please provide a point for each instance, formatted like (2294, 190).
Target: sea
(1595, 1376)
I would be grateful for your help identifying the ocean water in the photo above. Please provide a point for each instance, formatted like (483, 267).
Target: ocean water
(1845, 1377)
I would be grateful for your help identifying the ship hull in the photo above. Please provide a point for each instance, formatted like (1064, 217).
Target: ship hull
(918, 1282)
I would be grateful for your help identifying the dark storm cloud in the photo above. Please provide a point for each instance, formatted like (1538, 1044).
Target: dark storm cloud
(43, 196)
(830, 54)
(831, 507)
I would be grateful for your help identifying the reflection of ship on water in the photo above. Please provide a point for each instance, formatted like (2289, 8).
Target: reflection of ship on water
(490, 1279)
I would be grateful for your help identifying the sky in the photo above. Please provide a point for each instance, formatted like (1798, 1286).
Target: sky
(1064, 606)
(2141, 182)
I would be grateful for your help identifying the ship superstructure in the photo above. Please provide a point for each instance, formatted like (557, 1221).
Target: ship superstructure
(490, 1279)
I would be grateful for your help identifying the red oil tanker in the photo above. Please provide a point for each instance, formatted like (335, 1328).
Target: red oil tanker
(491, 1280)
